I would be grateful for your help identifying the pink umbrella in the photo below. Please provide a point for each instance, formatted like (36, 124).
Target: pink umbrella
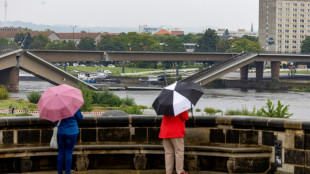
(60, 102)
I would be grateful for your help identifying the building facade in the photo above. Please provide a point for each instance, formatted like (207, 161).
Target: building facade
(238, 33)
(283, 24)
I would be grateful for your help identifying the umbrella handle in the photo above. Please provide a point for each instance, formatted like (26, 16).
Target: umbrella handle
(192, 111)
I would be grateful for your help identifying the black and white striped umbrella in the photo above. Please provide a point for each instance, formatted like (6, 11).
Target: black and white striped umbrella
(177, 98)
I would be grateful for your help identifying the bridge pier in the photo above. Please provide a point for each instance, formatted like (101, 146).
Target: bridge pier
(259, 70)
(10, 78)
(244, 72)
(275, 69)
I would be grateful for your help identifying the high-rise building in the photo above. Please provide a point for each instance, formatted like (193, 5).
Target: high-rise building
(283, 24)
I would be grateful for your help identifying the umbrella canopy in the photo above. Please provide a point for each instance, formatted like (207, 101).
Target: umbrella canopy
(60, 102)
(177, 98)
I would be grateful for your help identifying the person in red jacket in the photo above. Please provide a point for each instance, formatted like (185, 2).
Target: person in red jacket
(172, 132)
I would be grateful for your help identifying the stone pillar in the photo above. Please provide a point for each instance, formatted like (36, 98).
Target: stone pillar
(140, 162)
(25, 164)
(259, 70)
(275, 69)
(244, 72)
(10, 78)
(82, 162)
(192, 163)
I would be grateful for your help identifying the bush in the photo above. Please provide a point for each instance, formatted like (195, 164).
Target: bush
(280, 112)
(198, 110)
(135, 109)
(88, 98)
(4, 93)
(34, 97)
(211, 111)
(128, 101)
(107, 98)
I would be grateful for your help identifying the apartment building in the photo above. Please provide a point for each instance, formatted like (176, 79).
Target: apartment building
(283, 24)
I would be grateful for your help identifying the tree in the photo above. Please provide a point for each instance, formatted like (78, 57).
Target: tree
(39, 42)
(23, 38)
(175, 44)
(87, 44)
(226, 33)
(245, 45)
(251, 38)
(5, 43)
(224, 45)
(111, 43)
(208, 42)
(305, 45)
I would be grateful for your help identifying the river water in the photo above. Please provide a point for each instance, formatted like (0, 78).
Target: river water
(222, 99)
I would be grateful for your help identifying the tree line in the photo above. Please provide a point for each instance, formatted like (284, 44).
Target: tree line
(208, 41)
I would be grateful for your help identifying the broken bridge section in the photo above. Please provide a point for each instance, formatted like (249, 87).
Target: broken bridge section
(11, 62)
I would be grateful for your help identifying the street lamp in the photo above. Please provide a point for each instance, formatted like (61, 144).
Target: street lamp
(73, 31)
(231, 50)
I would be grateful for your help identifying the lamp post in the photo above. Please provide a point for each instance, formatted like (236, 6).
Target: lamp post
(73, 31)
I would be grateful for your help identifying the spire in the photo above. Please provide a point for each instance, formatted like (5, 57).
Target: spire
(252, 27)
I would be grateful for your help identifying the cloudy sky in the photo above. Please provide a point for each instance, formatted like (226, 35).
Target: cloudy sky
(231, 14)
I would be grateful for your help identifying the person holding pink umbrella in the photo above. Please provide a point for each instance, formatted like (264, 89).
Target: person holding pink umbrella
(61, 105)
(66, 137)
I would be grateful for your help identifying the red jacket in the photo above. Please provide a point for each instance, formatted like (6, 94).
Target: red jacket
(173, 126)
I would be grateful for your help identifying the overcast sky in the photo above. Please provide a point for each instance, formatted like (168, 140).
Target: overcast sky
(231, 14)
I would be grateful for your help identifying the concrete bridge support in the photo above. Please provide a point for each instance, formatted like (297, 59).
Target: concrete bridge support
(10, 78)
(244, 72)
(275, 69)
(259, 70)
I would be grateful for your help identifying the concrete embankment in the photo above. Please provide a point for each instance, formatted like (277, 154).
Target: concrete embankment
(261, 85)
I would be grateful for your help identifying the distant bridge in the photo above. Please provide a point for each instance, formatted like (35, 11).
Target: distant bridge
(37, 62)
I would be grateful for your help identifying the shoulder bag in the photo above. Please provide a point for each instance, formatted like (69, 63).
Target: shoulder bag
(54, 143)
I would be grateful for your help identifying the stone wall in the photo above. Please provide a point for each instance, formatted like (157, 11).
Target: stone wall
(206, 131)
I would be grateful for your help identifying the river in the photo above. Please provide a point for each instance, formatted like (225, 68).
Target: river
(222, 99)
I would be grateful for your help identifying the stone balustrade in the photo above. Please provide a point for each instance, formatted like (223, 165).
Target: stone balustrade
(222, 144)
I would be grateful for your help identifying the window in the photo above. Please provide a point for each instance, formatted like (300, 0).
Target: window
(294, 31)
(295, 4)
(287, 9)
(287, 41)
(302, 31)
(294, 20)
(286, 46)
(280, 36)
(295, 10)
(302, 4)
(279, 25)
(288, 4)
(279, 9)
(294, 46)
(287, 31)
(302, 10)
(279, 14)
(294, 15)
(294, 36)
(294, 25)
(279, 20)
(280, 3)
(279, 30)
(302, 15)
(287, 36)
(302, 26)
(287, 14)
(287, 25)
(279, 41)
(294, 41)
(287, 20)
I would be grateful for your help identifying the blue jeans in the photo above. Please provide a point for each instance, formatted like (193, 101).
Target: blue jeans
(65, 149)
